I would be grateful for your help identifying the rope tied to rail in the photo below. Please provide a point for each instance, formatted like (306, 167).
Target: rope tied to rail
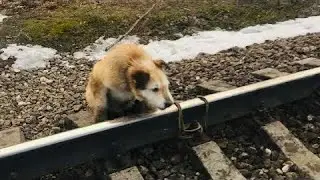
(184, 129)
(206, 115)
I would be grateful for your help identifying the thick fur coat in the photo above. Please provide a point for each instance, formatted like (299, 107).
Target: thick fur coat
(127, 78)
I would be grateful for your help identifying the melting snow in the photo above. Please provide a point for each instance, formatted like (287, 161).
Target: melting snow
(28, 56)
(212, 42)
(97, 49)
(186, 47)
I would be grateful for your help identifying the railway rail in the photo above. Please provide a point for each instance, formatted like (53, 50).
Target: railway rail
(107, 139)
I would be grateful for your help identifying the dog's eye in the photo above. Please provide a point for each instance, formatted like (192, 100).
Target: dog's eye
(155, 89)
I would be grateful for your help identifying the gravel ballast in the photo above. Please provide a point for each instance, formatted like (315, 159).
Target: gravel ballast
(39, 100)
(236, 64)
(167, 159)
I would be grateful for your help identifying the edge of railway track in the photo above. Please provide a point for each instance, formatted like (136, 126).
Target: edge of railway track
(106, 139)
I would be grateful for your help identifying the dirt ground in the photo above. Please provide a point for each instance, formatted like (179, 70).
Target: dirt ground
(70, 25)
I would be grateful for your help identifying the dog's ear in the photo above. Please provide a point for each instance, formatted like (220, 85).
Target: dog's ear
(160, 63)
(140, 79)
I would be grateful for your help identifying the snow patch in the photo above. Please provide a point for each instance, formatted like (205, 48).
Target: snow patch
(211, 42)
(186, 47)
(97, 49)
(28, 56)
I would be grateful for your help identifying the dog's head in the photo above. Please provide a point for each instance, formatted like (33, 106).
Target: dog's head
(150, 84)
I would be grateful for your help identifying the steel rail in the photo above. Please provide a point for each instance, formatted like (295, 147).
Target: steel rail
(106, 139)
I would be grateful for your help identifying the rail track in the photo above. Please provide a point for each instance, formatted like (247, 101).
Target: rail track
(253, 106)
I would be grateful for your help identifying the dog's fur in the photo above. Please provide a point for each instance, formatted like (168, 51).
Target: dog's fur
(125, 77)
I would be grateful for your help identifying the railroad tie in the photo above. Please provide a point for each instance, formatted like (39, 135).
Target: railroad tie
(81, 118)
(216, 163)
(311, 62)
(127, 174)
(268, 73)
(11, 136)
(294, 149)
(214, 86)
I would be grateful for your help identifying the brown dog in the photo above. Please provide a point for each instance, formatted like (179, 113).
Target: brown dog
(125, 76)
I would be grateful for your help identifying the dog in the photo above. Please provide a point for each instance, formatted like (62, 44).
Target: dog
(127, 79)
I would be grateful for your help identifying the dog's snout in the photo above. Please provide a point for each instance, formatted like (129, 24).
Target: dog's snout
(168, 104)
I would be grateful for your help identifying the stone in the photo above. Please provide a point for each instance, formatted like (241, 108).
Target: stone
(279, 171)
(233, 158)
(246, 172)
(214, 86)
(16, 70)
(56, 129)
(143, 170)
(252, 150)
(292, 175)
(315, 146)
(10, 137)
(267, 152)
(175, 159)
(163, 173)
(268, 73)
(310, 117)
(285, 168)
(77, 108)
(22, 103)
(243, 155)
(267, 163)
(45, 80)
(313, 62)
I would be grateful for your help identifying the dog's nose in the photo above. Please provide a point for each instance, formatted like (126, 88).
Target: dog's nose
(167, 104)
